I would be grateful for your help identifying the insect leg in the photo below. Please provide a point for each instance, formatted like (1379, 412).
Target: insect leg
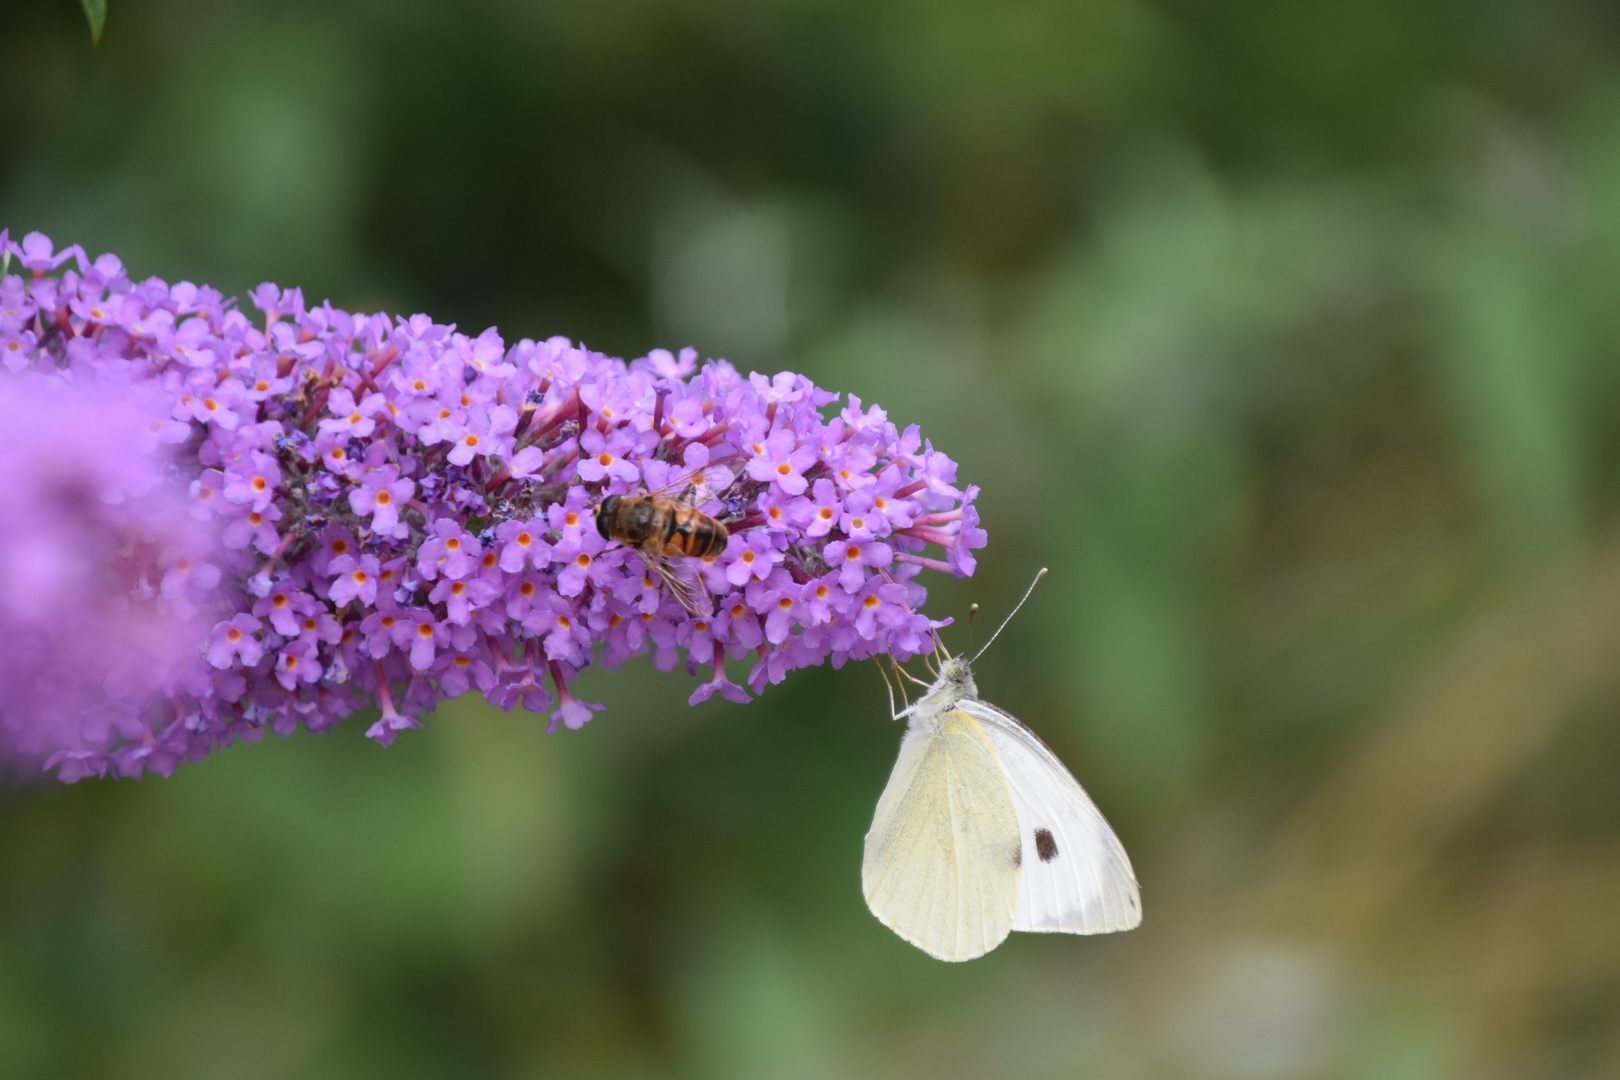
(902, 671)
(888, 686)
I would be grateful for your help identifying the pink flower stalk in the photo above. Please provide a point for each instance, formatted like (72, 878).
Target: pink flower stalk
(269, 522)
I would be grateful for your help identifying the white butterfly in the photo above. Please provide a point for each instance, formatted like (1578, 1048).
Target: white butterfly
(981, 831)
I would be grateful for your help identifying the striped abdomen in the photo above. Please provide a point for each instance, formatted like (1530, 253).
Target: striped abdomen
(660, 526)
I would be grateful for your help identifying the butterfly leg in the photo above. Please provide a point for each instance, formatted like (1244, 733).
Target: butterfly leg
(898, 670)
(889, 686)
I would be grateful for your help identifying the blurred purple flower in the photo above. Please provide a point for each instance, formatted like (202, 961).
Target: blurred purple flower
(104, 575)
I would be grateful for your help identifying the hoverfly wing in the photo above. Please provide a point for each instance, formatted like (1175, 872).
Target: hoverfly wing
(680, 579)
(698, 488)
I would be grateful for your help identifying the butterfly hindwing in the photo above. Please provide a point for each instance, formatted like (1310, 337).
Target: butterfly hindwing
(941, 861)
(1076, 877)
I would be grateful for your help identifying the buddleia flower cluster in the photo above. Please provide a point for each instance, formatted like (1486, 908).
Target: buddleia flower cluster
(384, 511)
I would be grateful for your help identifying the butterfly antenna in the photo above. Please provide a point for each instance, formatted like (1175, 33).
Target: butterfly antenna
(1011, 613)
(973, 609)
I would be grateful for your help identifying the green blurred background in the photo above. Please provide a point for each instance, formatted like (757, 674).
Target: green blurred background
(1285, 332)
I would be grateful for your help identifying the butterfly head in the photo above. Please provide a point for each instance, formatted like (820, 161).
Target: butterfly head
(955, 681)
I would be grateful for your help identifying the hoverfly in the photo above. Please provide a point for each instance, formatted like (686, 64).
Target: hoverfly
(666, 532)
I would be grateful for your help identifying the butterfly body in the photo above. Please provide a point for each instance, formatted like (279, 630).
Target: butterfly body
(981, 831)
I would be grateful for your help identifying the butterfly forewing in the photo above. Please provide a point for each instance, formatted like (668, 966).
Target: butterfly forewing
(1076, 878)
(941, 866)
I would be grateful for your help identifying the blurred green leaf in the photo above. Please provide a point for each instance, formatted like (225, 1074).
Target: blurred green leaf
(96, 12)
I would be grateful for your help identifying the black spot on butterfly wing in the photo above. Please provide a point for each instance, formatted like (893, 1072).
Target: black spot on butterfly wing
(1045, 846)
(1018, 856)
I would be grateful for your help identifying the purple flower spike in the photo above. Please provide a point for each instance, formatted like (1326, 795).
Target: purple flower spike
(217, 522)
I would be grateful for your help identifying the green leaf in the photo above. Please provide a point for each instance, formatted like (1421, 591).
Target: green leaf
(96, 12)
